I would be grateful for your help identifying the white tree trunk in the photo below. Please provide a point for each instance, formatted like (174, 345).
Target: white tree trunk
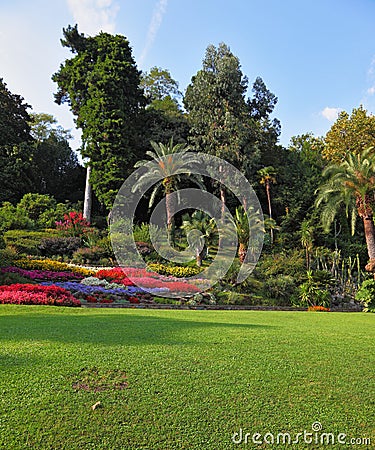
(88, 196)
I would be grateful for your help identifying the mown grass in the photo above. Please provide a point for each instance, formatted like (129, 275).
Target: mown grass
(193, 378)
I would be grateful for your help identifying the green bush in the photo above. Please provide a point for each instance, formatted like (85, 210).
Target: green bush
(236, 298)
(14, 218)
(366, 295)
(93, 255)
(49, 217)
(13, 278)
(25, 241)
(280, 289)
(141, 233)
(286, 263)
(314, 292)
(36, 204)
(7, 257)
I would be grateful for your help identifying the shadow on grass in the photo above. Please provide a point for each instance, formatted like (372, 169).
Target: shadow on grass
(111, 329)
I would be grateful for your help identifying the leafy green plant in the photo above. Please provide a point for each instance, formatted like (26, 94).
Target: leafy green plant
(25, 241)
(92, 255)
(281, 289)
(49, 217)
(7, 256)
(201, 233)
(14, 218)
(284, 263)
(144, 231)
(36, 204)
(366, 295)
(313, 292)
(2, 242)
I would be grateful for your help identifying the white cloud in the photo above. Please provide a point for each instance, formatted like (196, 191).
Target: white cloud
(371, 70)
(371, 90)
(330, 114)
(94, 16)
(156, 20)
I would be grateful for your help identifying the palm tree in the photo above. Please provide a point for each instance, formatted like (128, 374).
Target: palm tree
(268, 177)
(352, 184)
(306, 232)
(201, 231)
(248, 226)
(170, 162)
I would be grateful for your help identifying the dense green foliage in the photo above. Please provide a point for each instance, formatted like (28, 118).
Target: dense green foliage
(353, 133)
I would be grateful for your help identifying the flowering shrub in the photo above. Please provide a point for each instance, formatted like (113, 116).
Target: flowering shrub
(37, 275)
(318, 308)
(31, 294)
(74, 224)
(48, 264)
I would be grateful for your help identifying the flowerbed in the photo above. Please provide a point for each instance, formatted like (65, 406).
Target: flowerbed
(31, 294)
(147, 280)
(43, 275)
(176, 271)
(64, 285)
(49, 264)
(118, 274)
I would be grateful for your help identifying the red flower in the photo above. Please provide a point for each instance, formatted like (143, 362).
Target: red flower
(31, 294)
(106, 300)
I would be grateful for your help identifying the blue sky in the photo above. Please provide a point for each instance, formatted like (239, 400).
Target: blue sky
(317, 56)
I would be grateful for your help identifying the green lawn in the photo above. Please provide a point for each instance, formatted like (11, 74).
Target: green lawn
(193, 378)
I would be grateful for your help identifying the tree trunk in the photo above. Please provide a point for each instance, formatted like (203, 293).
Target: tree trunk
(170, 207)
(268, 191)
(198, 258)
(369, 228)
(87, 204)
(223, 198)
(307, 258)
(242, 252)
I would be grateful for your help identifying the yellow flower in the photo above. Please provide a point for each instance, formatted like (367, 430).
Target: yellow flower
(49, 264)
